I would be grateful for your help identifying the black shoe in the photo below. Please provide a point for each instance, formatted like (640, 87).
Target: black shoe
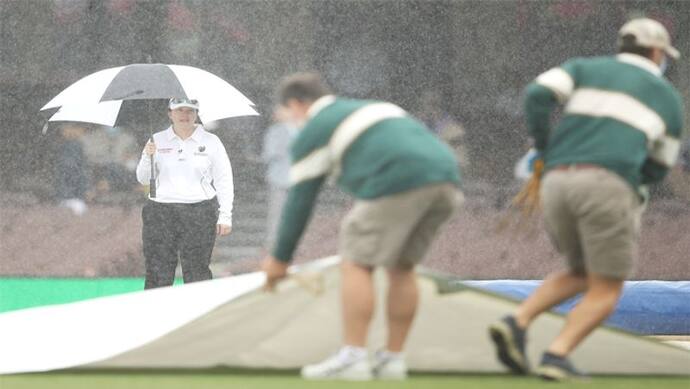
(510, 340)
(557, 368)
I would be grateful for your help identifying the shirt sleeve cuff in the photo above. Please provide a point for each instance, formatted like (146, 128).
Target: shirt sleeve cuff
(225, 219)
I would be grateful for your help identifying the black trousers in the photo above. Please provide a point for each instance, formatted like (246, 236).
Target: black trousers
(184, 231)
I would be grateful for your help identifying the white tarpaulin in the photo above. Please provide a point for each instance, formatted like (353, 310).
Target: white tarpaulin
(231, 322)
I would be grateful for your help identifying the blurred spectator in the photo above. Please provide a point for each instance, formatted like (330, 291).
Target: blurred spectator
(71, 181)
(276, 156)
(112, 157)
(443, 125)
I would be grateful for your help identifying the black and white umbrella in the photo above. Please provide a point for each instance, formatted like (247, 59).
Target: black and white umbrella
(97, 98)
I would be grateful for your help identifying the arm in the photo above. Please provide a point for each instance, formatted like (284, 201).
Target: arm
(551, 88)
(664, 152)
(662, 156)
(296, 213)
(295, 216)
(144, 166)
(224, 184)
(310, 167)
(539, 103)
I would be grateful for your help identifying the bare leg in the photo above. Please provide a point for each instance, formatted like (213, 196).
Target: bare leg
(556, 288)
(401, 306)
(596, 305)
(357, 302)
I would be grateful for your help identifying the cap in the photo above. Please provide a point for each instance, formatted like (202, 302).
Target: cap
(649, 33)
(179, 102)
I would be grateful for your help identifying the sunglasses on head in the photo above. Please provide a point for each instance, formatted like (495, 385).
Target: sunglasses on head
(180, 100)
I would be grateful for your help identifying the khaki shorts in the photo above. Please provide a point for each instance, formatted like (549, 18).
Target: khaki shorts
(593, 218)
(396, 231)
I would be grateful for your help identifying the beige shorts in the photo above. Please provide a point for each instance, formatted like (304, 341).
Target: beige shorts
(396, 231)
(593, 218)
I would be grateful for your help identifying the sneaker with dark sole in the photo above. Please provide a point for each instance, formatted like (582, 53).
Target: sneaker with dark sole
(509, 340)
(557, 368)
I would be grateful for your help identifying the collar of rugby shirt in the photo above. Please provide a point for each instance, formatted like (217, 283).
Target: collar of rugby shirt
(640, 61)
(196, 135)
(321, 103)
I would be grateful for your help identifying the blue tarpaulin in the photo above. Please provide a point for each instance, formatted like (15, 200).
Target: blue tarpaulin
(646, 307)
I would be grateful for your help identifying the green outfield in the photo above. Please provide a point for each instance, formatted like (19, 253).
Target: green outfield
(206, 380)
(19, 293)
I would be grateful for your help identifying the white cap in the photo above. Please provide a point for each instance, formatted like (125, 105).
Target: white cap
(649, 33)
(179, 102)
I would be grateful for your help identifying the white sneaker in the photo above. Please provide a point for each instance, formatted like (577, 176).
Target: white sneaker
(341, 366)
(388, 366)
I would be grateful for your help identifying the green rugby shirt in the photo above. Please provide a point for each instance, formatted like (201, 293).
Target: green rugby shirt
(619, 113)
(370, 148)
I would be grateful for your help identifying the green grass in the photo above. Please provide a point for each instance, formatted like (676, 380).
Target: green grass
(212, 380)
(19, 293)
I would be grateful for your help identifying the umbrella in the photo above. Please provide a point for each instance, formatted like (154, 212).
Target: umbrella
(97, 98)
(217, 98)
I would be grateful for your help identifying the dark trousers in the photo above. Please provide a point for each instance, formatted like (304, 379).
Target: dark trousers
(187, 231)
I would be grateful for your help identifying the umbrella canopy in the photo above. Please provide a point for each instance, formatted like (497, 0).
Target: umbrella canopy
(104, 113)
(92, 98)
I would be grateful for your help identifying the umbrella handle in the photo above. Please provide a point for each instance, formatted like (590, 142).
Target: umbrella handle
(152, 180)
(152, 186)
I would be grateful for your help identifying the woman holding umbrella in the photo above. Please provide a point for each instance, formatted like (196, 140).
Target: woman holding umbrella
(193, 177)
(193, 201)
